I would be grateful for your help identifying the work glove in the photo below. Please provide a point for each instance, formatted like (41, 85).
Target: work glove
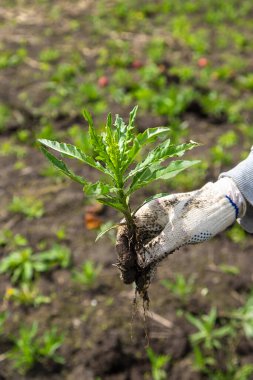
(170, 222)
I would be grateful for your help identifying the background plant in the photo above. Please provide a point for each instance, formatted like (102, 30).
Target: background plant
(23, 265)
(158, 364)
(26, 295)
(31, 348)
(88, 274)
(180, 286)
(207, 341)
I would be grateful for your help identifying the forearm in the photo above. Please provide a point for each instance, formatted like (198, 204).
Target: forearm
(242, 175)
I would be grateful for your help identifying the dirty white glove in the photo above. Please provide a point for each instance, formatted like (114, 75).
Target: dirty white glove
(170, 222)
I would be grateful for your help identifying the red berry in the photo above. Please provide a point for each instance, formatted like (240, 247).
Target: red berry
(103, 81)
(202, 62)
(136, 64)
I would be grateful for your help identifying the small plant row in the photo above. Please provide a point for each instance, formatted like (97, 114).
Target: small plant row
(30, 347)
(218, 337)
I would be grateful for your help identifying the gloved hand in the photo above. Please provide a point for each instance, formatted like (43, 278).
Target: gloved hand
(170, 222)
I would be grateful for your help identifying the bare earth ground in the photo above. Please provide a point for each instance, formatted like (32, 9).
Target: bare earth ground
(103, 340)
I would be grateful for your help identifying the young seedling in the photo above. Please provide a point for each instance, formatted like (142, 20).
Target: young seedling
(116, 155)
(3, 318)
(28, 206)
(243, 317)
(180, 287)
(208, 334)
(158, 363)
(88, 273)
(30, 348)
(26, 295)
(23, 265)
(207, 341)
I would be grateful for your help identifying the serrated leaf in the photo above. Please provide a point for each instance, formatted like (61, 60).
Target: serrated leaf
(150, 135)
(155, 172)
(125, 138)
(87, 116)
(112, 202)
(59, 164)
(112, 146)
(160, 154)
(97, 189)
(99, 146)
(132, 116)
(73, 152)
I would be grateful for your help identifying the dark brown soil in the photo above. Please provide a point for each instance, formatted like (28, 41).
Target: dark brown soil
(102, 338)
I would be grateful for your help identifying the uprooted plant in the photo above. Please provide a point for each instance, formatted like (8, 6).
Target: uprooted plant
(116, 154)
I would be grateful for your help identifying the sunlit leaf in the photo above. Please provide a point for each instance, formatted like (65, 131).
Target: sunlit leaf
(150, 135)
(62, 166)
(98, 188)
(73, 152)
(87, 116)
(155, 172)
(112, 202)
(102, 233)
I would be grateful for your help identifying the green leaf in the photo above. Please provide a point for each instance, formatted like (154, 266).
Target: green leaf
(112, 147)
(154, 172)
(74, 152)
(112, 202)
(102, 233)
(194, 321)
(150, 135)
(132, 116)
(97, 189)
(99, 145)
(160, 154)
(62, 166)
(27, 271)
(87, 116)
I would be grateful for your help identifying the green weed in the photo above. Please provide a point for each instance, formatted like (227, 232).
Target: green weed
(28, 206)
(158, 363)
(31, 348)
(5, 115)
(26, 295)
(23, 265)
(88, 274)
(115, 150)
(180, 286)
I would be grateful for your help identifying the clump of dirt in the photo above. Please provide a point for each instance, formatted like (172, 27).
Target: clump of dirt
(129, 246)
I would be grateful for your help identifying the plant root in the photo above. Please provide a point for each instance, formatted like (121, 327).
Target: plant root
(130, 270)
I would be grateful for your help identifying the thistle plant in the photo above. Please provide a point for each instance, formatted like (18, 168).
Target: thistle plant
(116, 155)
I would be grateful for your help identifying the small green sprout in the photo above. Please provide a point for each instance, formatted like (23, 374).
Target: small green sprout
(88, 273)
(28, 206)
(181, 287)
(208, 334)
(23, 265)
(158, 362)
(30, 348)
(26, 295)
(243, 317)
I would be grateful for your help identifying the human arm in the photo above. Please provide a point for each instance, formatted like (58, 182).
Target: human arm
(168, 223)
(242, 175)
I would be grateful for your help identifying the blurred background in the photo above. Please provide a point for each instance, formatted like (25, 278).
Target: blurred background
(64, 312)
